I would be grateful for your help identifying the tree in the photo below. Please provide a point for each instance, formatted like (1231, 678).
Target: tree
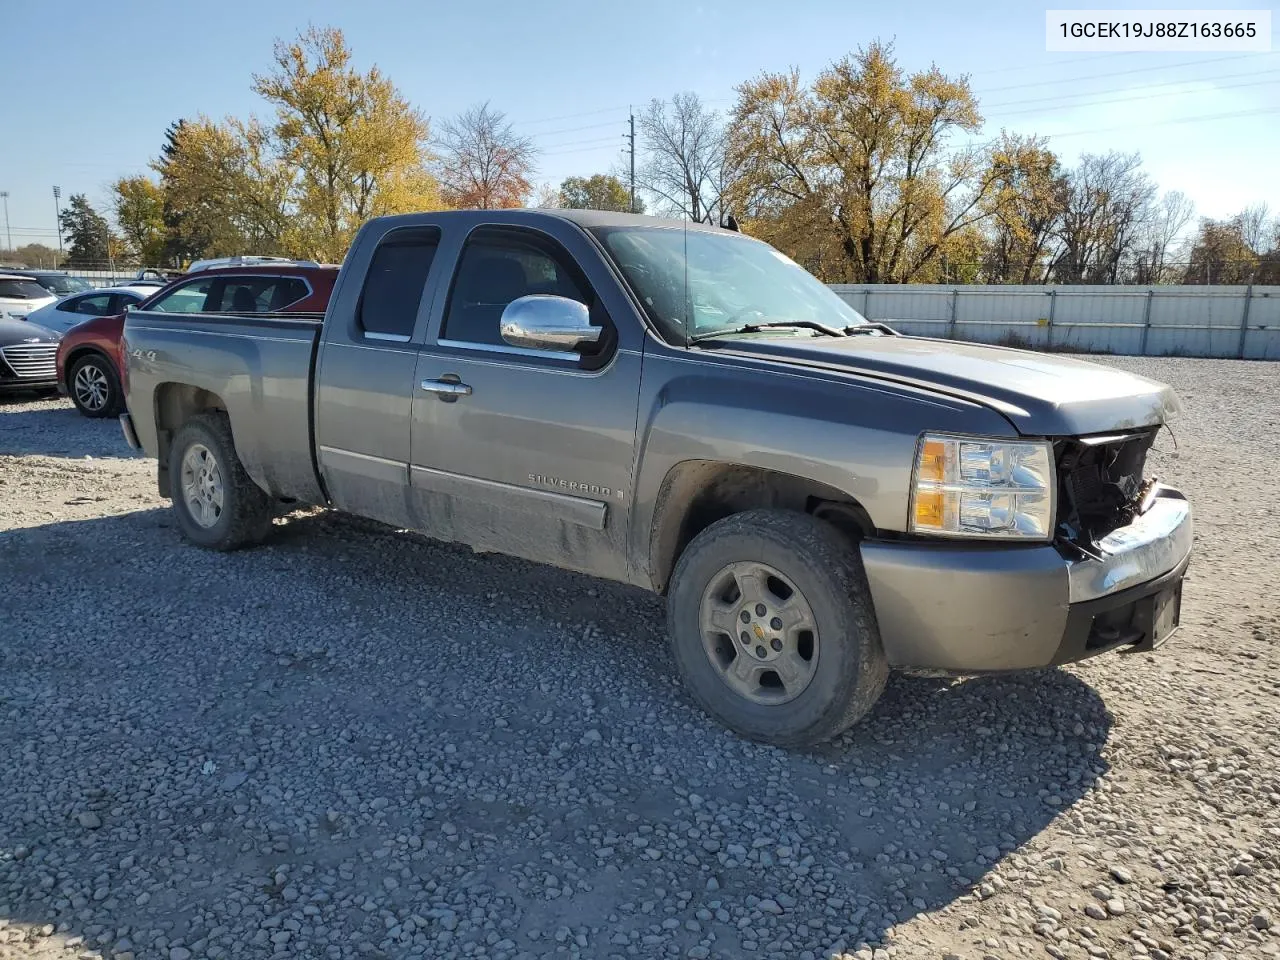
(183, 241)
(1024, 210)
(354, 147)
(32, 255)
(87, 232)
(1108, 203)
(230, 187)
(546, 197)
(139, 210)
(684, 163)
(1220, 254)
(601, 191)
(860, 163)
(1164, 225)
(483, 162)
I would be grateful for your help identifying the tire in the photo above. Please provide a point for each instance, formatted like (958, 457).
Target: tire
(236, 512)
(94, 387)
(846, 666)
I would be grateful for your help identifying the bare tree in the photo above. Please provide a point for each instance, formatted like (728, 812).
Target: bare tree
(1255, 227)
(483, 162)
(1168, 220)
(1108, 204)
(684, 166)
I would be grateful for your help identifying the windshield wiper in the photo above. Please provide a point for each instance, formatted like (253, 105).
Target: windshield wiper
(871, 326)
(769, 325)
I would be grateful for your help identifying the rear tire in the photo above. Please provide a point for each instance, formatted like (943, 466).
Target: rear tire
(217, 505)
(95, 388)
(807, 667)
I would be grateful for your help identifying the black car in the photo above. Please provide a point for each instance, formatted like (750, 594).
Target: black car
(27, 353)
(57, 282)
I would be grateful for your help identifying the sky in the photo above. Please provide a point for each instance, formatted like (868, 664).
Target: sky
(92, 86)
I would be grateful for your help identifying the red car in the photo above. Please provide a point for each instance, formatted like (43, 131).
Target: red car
(89, 359)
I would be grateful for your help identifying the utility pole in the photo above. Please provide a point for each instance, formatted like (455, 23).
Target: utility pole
(632, 138)
(57, 219)
(8, 234)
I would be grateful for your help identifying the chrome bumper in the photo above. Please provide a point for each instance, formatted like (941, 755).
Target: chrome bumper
(971, 608)
(1155, 543)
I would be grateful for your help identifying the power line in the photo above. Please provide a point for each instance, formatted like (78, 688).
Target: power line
(1149, 96)
(571, 116)
(590, 126)
(1162, 123)
(1149, 86)
(1116, 73)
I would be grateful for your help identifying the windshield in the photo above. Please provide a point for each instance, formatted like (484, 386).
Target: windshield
(63, 285)
(22, 290)
(733, 281)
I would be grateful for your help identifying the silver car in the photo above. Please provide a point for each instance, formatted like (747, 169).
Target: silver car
(60, 316)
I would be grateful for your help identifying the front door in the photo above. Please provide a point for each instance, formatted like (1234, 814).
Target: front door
(516, 450)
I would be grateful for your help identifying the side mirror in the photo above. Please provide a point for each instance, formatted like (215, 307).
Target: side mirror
(545, 322)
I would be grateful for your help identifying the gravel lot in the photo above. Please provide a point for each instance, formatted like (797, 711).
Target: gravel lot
(356, 742)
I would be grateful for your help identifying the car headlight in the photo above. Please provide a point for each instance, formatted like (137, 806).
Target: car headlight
(975, 487)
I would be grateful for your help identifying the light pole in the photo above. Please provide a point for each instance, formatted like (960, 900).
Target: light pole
(57, 220)
(8, 235)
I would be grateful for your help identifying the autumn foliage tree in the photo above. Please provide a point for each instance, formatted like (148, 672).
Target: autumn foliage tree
(139, 212)
(353, 146)
(483, 163)
(862, 160)
(601, 191)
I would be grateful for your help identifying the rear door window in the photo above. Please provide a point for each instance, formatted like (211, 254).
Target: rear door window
(254, 294)
(395, 283)
(188, 298)
(94, 305)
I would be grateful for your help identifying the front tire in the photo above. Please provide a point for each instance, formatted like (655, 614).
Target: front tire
(773, 630)
(217, 505)
(95, 387)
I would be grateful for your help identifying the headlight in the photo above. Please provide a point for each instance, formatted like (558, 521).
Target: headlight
(972, 487)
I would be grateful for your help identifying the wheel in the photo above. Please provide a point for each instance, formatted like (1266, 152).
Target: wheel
(773, 630)
(95, 388)
(218, 506)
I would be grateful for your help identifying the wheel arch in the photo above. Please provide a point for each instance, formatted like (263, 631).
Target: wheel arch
(696, 493)
(175, 404)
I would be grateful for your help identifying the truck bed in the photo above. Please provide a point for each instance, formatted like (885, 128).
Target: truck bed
(258, 365)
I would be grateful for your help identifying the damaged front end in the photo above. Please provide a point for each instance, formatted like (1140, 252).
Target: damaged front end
(1101, 485)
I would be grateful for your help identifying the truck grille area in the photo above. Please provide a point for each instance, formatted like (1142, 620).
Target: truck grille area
(31, 361)
(1100, 483)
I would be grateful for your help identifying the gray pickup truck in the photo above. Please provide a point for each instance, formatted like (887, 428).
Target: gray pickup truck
(683, 408)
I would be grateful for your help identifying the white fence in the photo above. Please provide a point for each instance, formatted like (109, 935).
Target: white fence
(1192, 321)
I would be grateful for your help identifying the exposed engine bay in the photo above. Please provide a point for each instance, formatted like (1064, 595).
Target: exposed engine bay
(1100, 484)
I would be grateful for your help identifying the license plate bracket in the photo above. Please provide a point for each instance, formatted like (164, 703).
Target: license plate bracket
(1158, 617)
(1166, 616)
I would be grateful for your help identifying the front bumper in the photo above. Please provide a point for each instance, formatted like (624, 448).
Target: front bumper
(974, 608)
(25, 385)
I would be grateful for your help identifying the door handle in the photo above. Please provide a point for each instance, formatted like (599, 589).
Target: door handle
(448, 387)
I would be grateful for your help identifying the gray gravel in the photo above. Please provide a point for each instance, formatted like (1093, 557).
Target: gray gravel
(355, 742)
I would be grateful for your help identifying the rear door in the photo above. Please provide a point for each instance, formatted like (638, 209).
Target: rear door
(365, 374)
(533, 456)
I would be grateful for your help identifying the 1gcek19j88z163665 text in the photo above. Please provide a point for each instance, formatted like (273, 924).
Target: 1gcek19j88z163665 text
(1157, 30)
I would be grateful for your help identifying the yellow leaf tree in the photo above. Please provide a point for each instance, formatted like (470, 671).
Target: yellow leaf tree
(229, 187)
(139, 210)
(355, 147)
(858, 170)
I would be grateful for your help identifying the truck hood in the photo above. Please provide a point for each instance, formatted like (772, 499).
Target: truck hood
(1040, 394)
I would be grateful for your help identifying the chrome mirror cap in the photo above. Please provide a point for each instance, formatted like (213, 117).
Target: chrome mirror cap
(545, 322)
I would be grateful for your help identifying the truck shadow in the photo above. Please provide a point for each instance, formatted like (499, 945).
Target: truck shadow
(351, 703)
